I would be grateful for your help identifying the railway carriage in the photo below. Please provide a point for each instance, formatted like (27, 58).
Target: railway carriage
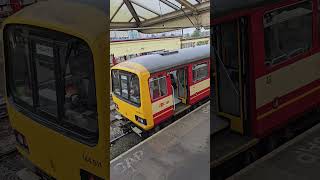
(148, 90)
(267, 56)
(267, 61)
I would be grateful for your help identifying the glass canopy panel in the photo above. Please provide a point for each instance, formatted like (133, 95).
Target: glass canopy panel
(114, 6)
(123, 15)
(143, 12)
(156, 6)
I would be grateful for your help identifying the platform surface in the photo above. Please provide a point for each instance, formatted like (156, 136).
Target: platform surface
(227, 144)
(180, 151)
(296, 160)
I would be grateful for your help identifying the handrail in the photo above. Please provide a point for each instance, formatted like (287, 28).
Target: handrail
(226, 71)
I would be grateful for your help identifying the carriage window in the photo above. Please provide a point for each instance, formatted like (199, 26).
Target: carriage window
(200, 71)
(288, 32)
(126, 85)
(158, 87)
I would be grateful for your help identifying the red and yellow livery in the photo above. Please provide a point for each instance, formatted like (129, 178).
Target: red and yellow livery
(148, 90)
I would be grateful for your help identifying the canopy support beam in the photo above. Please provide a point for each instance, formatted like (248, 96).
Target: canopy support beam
(170, 4)
(140, 5)
(187, 5)
(132, 11)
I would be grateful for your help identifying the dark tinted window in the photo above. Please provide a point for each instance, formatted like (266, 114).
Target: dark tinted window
(288, 32)
(200, 71)
(52, 75)
(126, 86)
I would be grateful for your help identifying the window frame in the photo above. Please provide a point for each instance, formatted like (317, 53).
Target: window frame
(203, 78)
(57, 124)
(271, 67)
(157, 78)
(129, 76)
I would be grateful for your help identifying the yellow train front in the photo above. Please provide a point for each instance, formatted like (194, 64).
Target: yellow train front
(56, 87)
(149, 90)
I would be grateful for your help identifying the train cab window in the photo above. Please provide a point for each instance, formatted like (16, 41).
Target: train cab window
(200, 71)
(21, 74)
(158, 87)
(79, 86)
(134, 90)
(53, 74)
(126, 86)
(288, 32)
(115, 82)
(46, 85)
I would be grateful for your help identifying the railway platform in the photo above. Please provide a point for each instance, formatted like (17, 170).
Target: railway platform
(179, 151)
(299, 158)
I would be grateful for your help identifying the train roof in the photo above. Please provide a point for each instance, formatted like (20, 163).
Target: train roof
(159, 62)
(68, 16)
(224, 7)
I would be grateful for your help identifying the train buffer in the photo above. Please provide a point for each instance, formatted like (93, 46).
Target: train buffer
(179, 151)
(299, 158)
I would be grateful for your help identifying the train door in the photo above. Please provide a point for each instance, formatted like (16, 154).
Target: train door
(182, 84)
(230, 46)
(179, 88)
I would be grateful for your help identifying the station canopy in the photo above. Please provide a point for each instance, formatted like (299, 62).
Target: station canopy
(154, 16)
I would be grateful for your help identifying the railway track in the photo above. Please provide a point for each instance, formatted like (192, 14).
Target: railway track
(3, 109)
(8, 154)
(120, 127)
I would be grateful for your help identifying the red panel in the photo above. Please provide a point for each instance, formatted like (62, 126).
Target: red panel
(163, 115)
(201, 95)
(289, 96)
(281, 117)
(190, 82)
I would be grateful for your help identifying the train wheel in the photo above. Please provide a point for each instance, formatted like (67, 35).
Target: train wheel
(145, 134)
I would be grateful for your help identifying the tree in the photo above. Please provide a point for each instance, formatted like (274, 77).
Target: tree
(196, 33)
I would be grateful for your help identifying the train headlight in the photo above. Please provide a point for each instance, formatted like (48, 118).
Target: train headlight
(21, 139)
(141, 120)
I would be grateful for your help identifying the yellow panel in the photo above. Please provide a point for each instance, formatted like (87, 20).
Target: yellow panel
(60, 156)
(145, 110)
(287, 79)
(199, 86)
(162, 104)
(235, 122)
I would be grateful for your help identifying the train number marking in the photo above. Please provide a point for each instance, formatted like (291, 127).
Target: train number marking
(308, 153)
(269, 79)
(91, 160)
(129, 162)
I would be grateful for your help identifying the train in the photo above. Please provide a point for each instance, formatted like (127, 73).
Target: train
(266, 57)
(57, 84)
(149, 90)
